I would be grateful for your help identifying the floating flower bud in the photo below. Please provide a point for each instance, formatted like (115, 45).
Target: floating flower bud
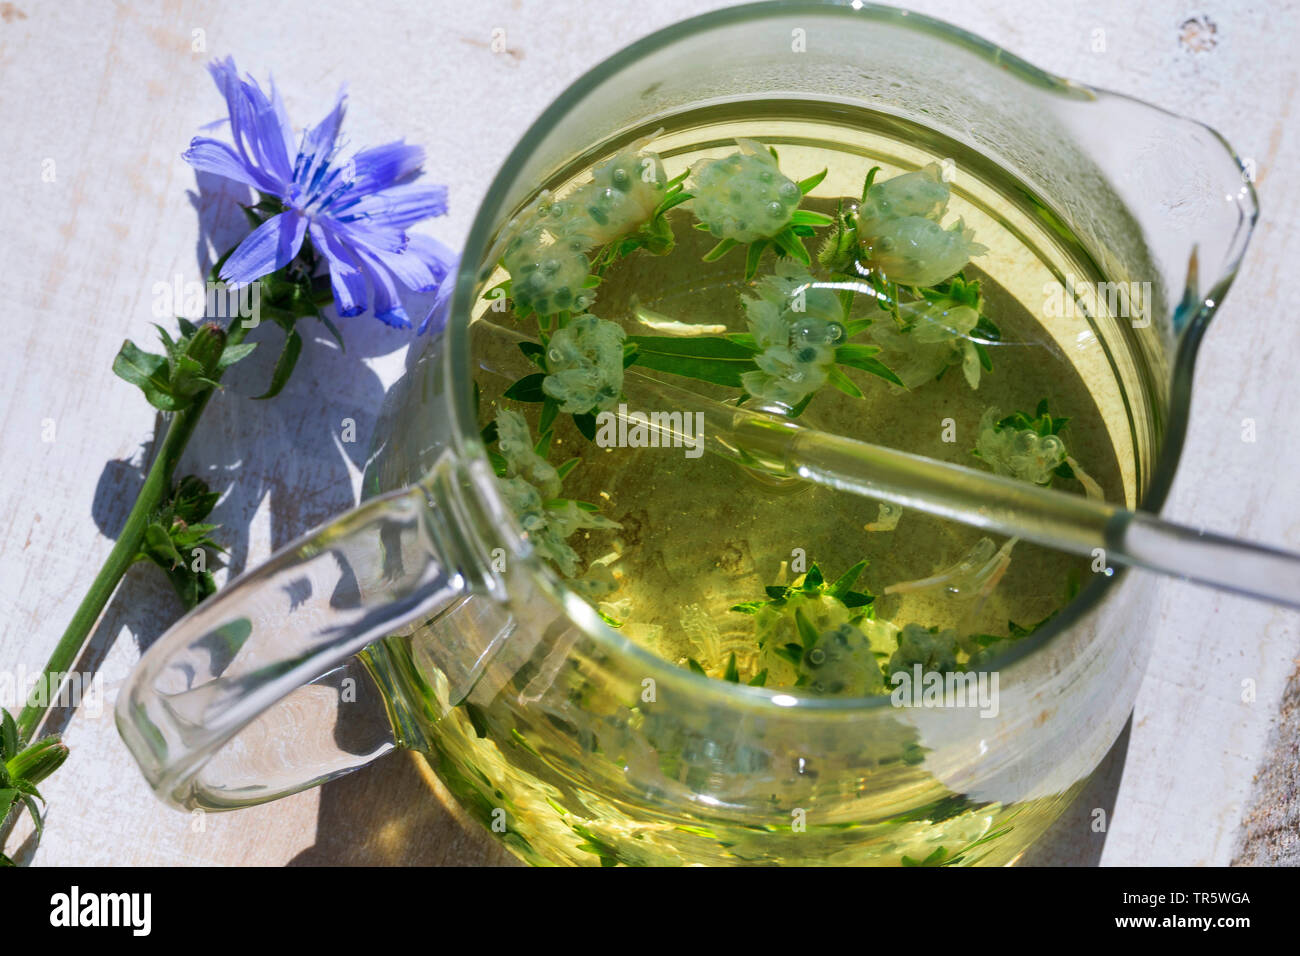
(743, 197)
(940, 336)
(622, 195)
(530, 487)
(584, 362)
(921, 193)
(522, 461)
(899, 234)
(933, 649)
(548, 262)
(547, 277)
(797, 323)
(1018, 452)
(917, 251)
(841, 664)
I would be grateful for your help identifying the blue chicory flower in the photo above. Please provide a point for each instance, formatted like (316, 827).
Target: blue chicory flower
(356, 211)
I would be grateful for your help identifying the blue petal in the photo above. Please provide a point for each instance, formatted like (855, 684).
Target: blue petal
(270, 246)
(436, 318)
(372, 236)
(421, 266)
(281, 120)
(347, 280)
(318, 146)
(382, 167)
(400, 206)
(388, 306)
(214, 156)
(259, 129)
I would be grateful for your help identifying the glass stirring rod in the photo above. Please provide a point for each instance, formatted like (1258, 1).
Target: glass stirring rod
(984, 500)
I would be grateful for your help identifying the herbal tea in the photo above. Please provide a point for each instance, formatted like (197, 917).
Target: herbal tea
(787, 267)
(826, 265)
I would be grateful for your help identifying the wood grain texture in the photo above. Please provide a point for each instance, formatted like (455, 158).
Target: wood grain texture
(110, 94)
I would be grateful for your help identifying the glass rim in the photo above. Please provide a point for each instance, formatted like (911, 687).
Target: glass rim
(1193, 318)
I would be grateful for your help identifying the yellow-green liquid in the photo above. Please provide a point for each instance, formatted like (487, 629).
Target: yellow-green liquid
(700, 535)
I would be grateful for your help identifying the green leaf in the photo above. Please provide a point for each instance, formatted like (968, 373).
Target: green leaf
(813, 579)
(753, 256)
(550, 409)
(149, 373)
(10, 742)
(812, 182)
(802, 406)
(791, 245)
(871, 178)
(192, 501)
(543, 445)
(852, 599)
(720, 250)
(843, 382)
(28, 789)
(861, 357)
(535, 352)
(234, 353)
(564, 469)
(695, 667)
(173, 348)
(759, 679)
(586, 425)
(844, 583)
(477, 719)
(745, 339)
(807, 633)
(528, 389)
(332, 329)
(806, 217)
(29, 801)
(987, 330)
(159, 548)
(284, 364)
(731, 674)
(792, 653)
(706, 358)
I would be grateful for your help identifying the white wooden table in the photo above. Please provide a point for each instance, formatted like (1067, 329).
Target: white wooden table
(99, 101)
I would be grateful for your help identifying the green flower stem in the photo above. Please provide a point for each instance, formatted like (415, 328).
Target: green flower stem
(157, 484)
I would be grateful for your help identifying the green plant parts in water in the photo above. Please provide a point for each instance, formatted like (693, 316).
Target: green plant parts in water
(887, 295)
(801, 328)
(745, 200)
(896, 231)
(824, 636)
(531, 487)
(1030, 448)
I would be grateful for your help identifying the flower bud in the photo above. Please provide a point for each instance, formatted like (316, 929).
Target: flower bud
(39, 760)
(206, 346)
(196, 368)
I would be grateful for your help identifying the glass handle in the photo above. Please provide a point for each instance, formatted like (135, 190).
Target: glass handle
(255, 693)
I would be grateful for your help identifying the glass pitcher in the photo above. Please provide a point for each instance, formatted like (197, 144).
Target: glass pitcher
(570, 742)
